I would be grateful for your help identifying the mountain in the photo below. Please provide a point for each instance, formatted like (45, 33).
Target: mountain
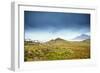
(57, 40)
(81, 37)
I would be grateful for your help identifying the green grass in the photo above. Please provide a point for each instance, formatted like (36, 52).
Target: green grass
(56, 50)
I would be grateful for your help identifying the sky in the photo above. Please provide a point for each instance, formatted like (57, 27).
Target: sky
(44, 26)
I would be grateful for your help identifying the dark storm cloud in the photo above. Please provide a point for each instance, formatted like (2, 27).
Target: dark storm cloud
(55, 21)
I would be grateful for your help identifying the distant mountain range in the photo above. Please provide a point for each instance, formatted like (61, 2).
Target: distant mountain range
(81, 37)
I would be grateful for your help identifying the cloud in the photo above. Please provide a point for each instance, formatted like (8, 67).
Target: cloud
(53, 23)
(49, 20)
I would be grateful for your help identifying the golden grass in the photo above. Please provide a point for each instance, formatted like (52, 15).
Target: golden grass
(56, 51)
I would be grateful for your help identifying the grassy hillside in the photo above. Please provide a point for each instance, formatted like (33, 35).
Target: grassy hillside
(58, 49)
